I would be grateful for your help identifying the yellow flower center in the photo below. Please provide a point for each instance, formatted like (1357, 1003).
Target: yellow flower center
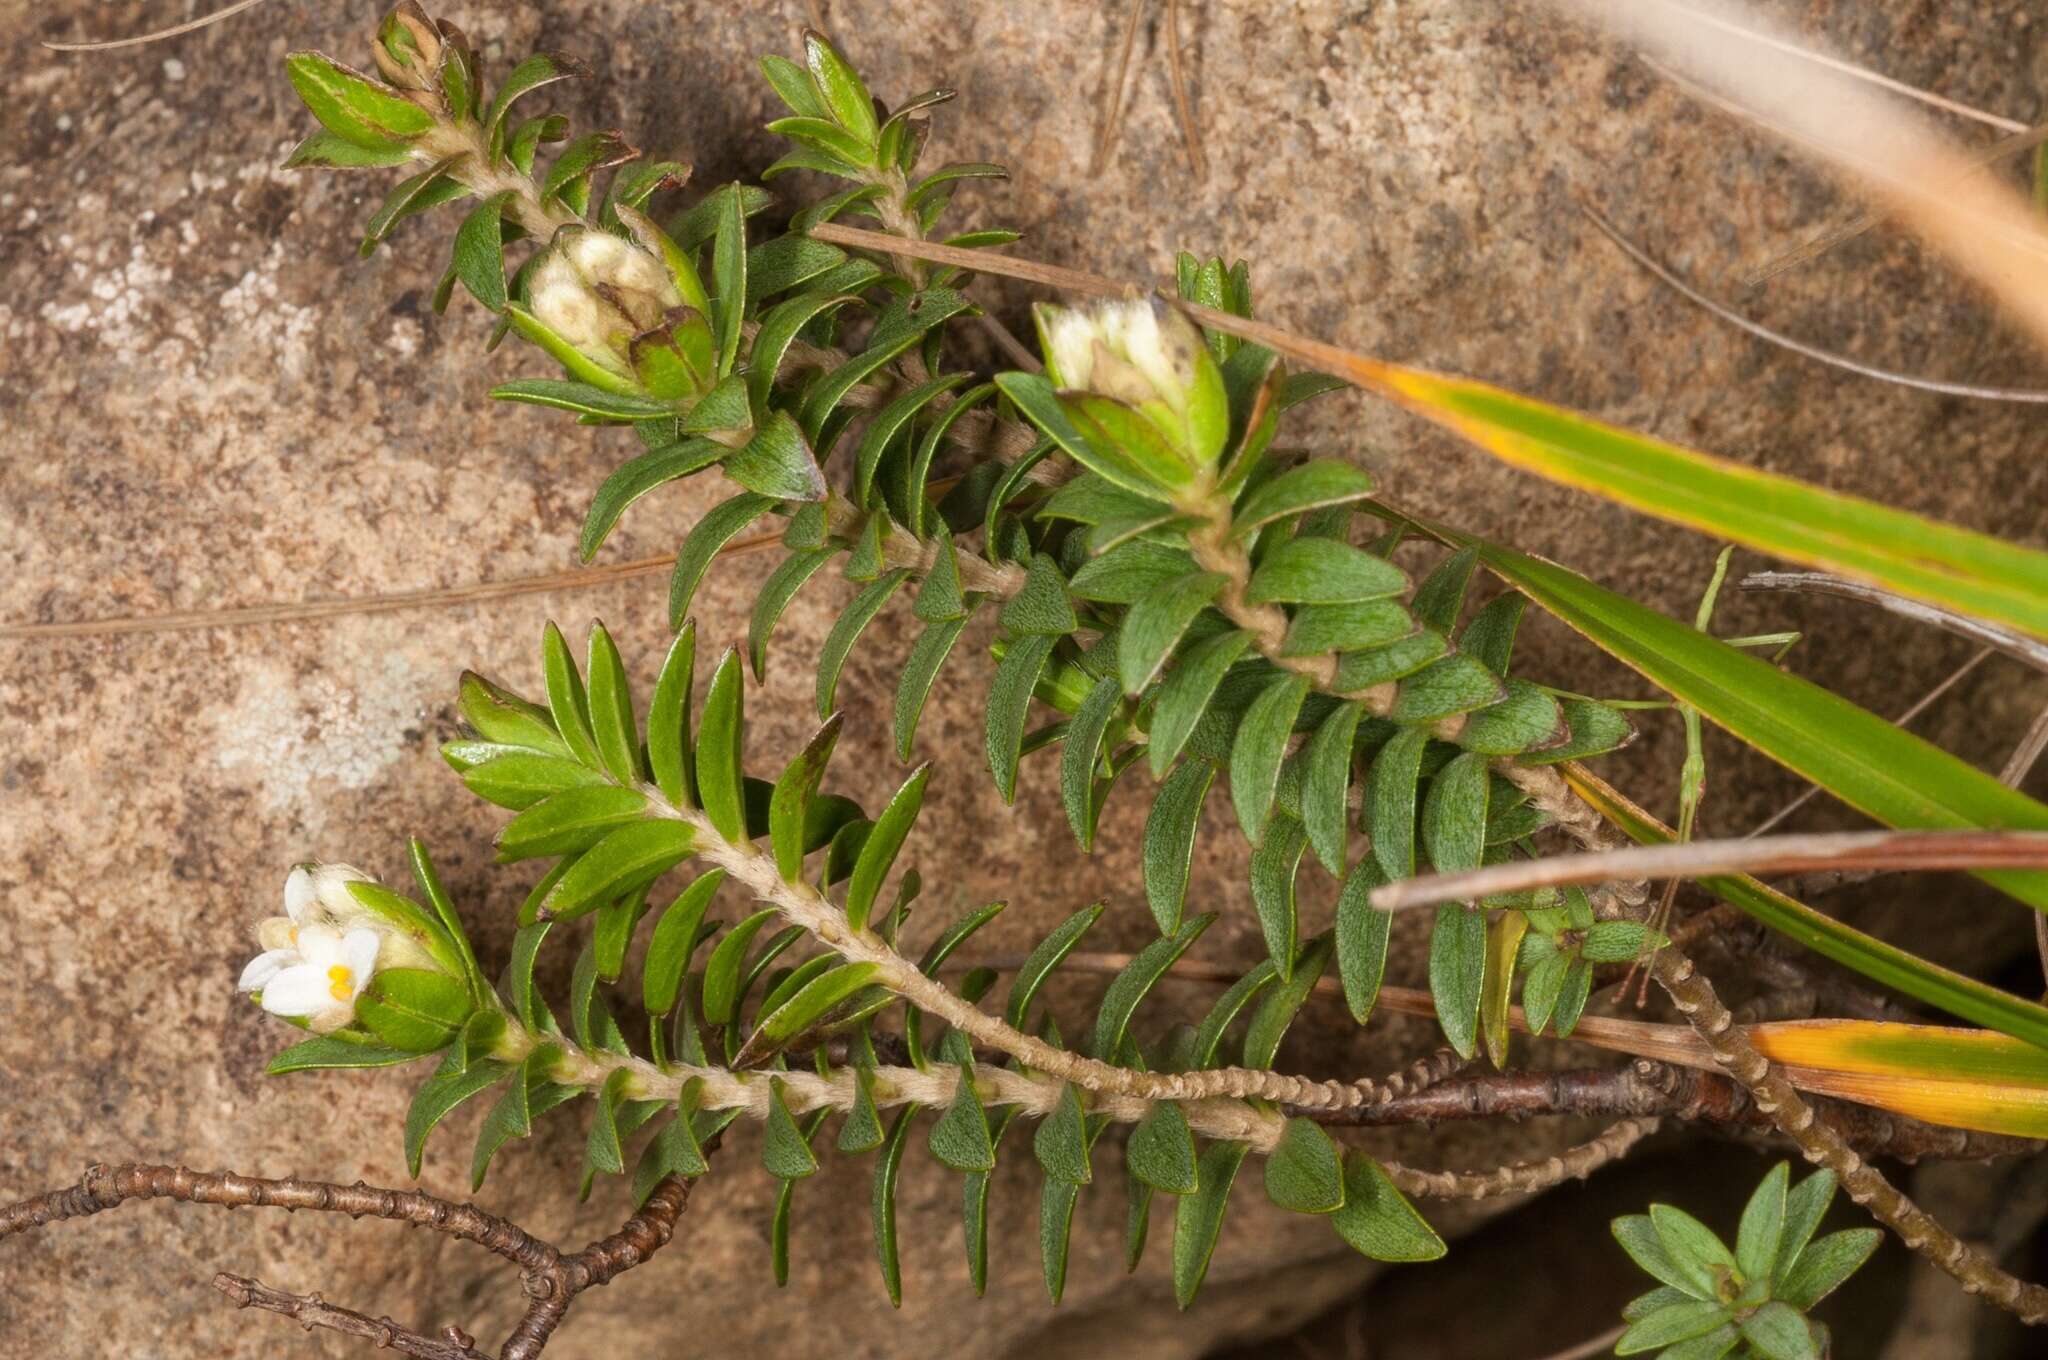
(342, 982)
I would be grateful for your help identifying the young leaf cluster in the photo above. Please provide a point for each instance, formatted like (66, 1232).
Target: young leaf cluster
(1750, 1302)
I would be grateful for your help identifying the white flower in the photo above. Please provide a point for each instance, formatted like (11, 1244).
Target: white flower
(322, 952)
(317, 977)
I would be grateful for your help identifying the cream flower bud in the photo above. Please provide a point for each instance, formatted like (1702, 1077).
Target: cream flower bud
(1138, 357)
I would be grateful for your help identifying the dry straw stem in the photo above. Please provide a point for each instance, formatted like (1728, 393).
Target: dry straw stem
(1930, 184)
(2025, 395)
(1748, 854)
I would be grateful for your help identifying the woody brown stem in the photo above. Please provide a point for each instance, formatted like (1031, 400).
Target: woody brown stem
(549, 1278)
(310, 1311)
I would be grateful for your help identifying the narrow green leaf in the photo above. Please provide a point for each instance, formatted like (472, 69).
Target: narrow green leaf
(638, 476)
(1061, 1141)
(1170, 839)
(1162, 1150)
(1154, 625)
(1198, 1218)
(1326, 785)
(960, 1139)
(611, 709)
(438, 1096)
(1454, 814)
(920, 671)
(1278, 1007)
(721, 736)
(1275, 865)
(1323, 571)
(878, 855)
(1362, 933)
(719, 526)
(674, 940)
(1305, 1172)
(883, 1201)
(1805, 1205)
(1457, 973)
(778, 329)
(846, 630)
(777, 591)
(1009, 702)
(811, 1003)
(570, 821)
(1044, 958)
(669, 749)
(785, 1151)
(844, 96)
(352, 106)
(1390, 796)
(1763, 1224)
(1825, 1264)
(1081, 755)
(1259, 747)
(862, 1131)
(327, 1053)
(1298, 490)
(1444, 689)
(1128, 989)
(1041, 604)
(724, 971)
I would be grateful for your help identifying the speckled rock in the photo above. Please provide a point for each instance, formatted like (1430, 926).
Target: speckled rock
(206, 401)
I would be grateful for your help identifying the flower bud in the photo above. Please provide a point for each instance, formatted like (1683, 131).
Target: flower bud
(408, 48)
(1134, 373)
(597, 292)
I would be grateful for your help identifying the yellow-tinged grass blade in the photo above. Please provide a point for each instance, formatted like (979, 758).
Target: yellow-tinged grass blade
(1969, 572)
(1961, 996)
(1865, 761)
(1964, 1078)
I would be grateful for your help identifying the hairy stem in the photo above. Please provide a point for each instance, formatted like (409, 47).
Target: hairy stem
(803, 905)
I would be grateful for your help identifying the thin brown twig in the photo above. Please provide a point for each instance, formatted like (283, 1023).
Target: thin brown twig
(1942, 387)
(310, 1311)
(1786, 854)
(1591, 1346)
(1113, 92)
(549, 1278)
(175, 30)
(1183, 109)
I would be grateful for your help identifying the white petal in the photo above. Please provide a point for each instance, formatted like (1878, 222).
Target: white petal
(359, 956)
(1070, 345)
(330, 882)
(320, 946)
(299, 894)
(300, 991)
(264, 967)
